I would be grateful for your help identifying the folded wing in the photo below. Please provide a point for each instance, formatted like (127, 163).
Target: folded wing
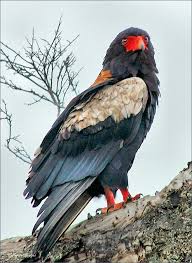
(77, 150)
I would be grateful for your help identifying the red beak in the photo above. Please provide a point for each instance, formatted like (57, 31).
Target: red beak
(134, 43)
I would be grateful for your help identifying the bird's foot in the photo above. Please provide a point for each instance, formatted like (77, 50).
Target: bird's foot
(111, 208)
(118, 206)
(133, 198)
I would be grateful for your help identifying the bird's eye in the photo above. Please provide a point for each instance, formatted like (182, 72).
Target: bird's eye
(146, 39)
(124, 41)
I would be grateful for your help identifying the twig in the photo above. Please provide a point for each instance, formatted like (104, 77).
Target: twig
(48, 66)
(19, 151)
(45, 66)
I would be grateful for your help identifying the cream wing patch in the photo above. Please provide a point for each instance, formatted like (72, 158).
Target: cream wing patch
(125, 98)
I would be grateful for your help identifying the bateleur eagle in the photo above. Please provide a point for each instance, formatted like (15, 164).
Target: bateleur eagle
(92, 144)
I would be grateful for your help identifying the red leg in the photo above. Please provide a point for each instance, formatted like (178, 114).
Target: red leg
(109, 197)
(125, 193)
(127, 196)
(111, 206)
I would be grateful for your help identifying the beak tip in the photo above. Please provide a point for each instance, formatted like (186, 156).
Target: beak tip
(142, 47)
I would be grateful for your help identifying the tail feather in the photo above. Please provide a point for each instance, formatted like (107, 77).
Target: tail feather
(61, 214)
(54, 197)
(55, 203)
(67, 220)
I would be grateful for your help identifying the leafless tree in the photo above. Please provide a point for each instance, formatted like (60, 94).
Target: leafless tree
(48, 65)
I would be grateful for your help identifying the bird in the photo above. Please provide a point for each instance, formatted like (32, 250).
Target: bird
(92, 144)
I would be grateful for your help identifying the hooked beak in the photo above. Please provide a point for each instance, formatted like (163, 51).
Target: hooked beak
(134, 43)
(141, 44)
(142, 47)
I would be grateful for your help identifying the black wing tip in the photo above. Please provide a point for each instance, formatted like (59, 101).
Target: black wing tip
(27, 194)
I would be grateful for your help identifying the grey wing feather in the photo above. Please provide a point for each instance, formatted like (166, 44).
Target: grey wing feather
(62, 213)
(65, 174)
(60, 170)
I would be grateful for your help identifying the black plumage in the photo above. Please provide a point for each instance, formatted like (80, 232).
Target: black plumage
(73, 165)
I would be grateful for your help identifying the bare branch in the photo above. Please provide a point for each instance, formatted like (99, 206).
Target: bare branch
(48, 66)
(13, 144)
(13, 86)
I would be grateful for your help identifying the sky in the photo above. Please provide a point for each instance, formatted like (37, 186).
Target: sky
(167, 148)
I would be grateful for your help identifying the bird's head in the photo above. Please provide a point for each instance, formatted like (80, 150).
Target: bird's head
(128, 42)
(131, 51)
(130, 54)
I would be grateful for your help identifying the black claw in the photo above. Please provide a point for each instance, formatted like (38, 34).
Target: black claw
(98, 211)
(109, 209)
(129, 199)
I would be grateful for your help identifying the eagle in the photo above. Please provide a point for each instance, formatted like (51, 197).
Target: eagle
(92, 144)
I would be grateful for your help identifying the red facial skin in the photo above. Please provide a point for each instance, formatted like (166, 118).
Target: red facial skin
(133, 43)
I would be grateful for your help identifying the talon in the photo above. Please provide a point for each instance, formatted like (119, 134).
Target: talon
(110, 207)
(129, 199)
(101, 211)
(132, 199)
(98, 210)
